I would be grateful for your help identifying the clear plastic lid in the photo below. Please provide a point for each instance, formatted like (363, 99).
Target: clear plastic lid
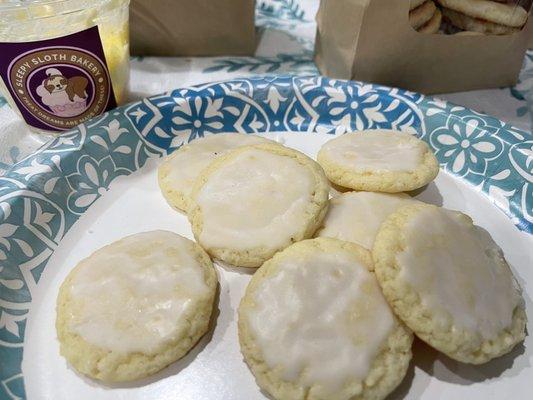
(27, 20)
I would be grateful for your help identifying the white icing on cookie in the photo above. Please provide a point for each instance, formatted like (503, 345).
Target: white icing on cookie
(322, 318)
(459, 272)
(257, 199)
(376, 151)
(135, 294)
(185, 166)
(356, 216)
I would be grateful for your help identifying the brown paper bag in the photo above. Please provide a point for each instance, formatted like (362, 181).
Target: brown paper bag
(530, 43)
(192, 27)
(372, 40)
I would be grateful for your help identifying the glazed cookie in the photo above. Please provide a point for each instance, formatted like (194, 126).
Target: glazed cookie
(356, 216)
(314, 324)
(177, 173)
(378, 161)
(257, 200)
(135, 306)
(449, 282)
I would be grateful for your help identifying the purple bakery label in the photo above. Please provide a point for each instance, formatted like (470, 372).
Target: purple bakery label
(58, 83)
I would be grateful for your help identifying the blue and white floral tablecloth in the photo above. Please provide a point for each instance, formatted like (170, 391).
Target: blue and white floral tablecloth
(287, 31)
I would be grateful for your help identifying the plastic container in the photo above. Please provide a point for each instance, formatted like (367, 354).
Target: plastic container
(63, 61)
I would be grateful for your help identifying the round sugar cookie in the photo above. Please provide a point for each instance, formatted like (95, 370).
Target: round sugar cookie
(135, 306)
(449, 282)
(378, 161)
(487, 10)
(433, 25)
(471, 24)
(313, 324)
(254, 201)
(356, 216)
(422, 14)
(177, 173)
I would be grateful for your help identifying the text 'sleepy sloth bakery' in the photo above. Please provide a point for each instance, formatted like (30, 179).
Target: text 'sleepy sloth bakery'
(57, 78)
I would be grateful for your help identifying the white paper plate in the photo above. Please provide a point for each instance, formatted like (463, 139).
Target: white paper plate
(45, 195)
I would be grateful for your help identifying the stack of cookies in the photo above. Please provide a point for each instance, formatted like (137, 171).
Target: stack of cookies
(484, 16)
(424, 16)
(342, 285)
(490, 17)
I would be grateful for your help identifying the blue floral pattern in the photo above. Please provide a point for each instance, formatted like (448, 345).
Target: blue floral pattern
(281, 10)
(90, 181)
(42, 196)
(465, 146)
(296, 63)
(279, 13)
